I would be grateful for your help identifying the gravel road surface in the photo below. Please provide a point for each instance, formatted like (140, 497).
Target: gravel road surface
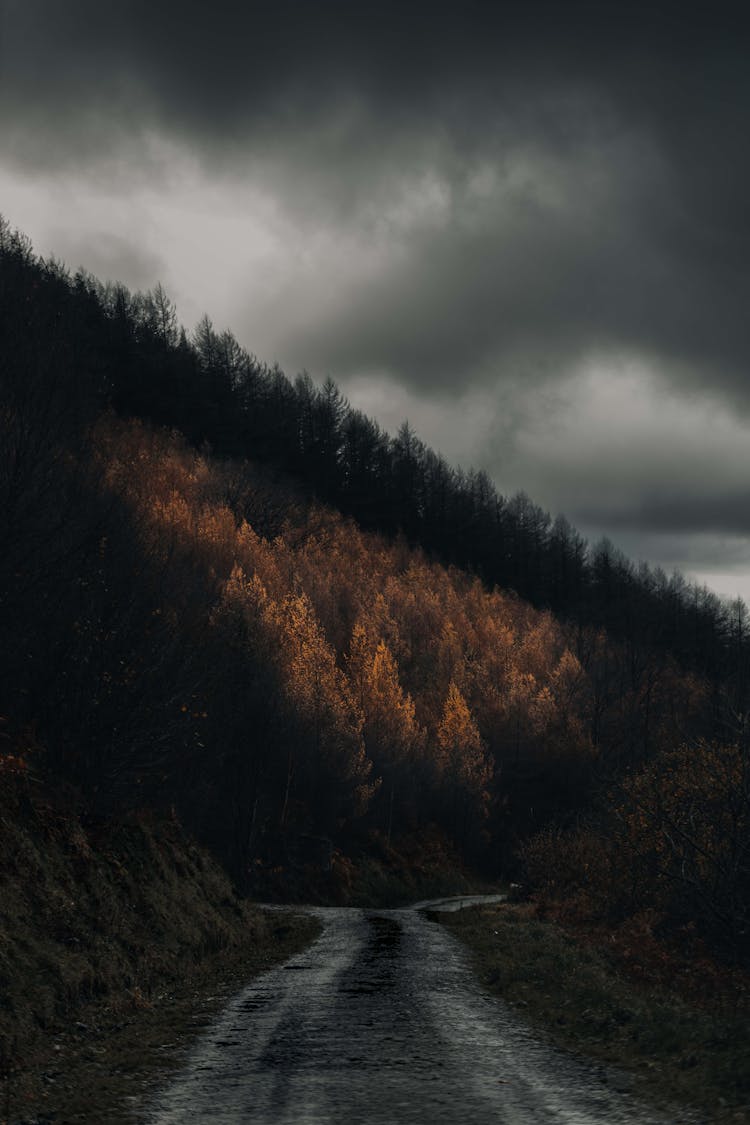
(381, 1021)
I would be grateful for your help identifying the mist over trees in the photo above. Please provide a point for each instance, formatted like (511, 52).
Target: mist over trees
(228, 593)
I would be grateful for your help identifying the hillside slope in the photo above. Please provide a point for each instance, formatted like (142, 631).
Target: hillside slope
(185, 628)
(100, 923)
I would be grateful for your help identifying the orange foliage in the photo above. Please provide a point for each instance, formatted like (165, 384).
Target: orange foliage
(381, 655)
(462, 759)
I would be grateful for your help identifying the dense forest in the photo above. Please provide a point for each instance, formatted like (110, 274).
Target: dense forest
(227, 594)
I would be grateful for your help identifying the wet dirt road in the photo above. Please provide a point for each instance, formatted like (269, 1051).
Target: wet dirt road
(380, 1021)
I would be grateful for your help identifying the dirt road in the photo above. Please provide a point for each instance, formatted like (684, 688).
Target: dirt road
(381, 1021)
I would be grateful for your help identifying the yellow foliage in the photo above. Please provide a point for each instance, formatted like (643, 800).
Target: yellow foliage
(371, 640)
(460, 745)
(390, 727)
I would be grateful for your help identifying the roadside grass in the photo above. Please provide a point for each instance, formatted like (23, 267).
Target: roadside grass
(111, 936)
(103, 1066)
(679, 1045)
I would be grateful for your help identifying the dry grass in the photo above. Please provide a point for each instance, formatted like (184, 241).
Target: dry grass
(104, 1067)
(111, 940)
(583, 996)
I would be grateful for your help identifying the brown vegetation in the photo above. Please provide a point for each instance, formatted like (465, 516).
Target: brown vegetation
(669, 1028)
(333, 710)
(338, 678)
(672, 839)
(108, 931)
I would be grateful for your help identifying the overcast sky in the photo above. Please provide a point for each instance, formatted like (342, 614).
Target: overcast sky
(524, 226)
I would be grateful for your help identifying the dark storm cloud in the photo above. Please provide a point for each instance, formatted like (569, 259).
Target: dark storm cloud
(334, 103)
(221, 68)
(726, 513)
(504, 194)
(293, 69)
(518, 285)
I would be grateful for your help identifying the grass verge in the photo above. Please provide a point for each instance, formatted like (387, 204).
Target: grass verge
(103, 1065)
(676, 1047)
(115, 938)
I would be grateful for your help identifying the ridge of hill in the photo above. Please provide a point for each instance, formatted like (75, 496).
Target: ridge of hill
(109, 930)
(183, 628)
(94, 344)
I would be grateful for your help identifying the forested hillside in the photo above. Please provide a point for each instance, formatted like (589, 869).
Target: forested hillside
(90, 344)
(230, 595)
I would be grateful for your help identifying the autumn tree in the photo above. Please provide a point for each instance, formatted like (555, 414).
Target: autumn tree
(463, 768)
(327, 766)
(394, 741)
(686, 822)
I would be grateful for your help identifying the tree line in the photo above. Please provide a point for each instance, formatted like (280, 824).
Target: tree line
(131, 352)
(182, 624)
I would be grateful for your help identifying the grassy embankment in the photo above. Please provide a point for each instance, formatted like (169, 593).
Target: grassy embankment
(117, 943)
(672, 1028)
